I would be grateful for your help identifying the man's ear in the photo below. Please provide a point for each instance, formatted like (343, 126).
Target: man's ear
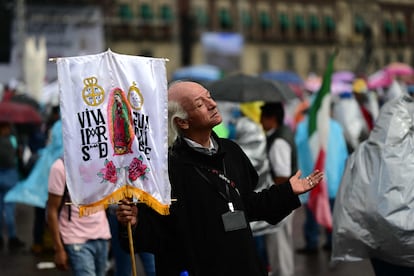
(181, 123)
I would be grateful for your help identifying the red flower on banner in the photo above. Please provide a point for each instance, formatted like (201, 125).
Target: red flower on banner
(109, 172)
(136, 169)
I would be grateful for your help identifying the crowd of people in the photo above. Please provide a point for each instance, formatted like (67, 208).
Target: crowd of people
(236, 193)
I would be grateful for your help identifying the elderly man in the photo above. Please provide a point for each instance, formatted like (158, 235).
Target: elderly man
(207, 231)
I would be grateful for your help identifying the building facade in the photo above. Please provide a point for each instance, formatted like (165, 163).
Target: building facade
(296, 35)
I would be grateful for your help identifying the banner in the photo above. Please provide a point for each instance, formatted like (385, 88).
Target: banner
(114, 121)
(223, 50)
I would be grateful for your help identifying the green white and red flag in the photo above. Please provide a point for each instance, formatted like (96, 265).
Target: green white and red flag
(318, 131)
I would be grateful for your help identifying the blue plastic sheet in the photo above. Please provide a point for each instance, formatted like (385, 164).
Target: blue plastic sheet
(33, 190)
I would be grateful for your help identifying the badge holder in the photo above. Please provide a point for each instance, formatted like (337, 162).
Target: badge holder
(233, 220)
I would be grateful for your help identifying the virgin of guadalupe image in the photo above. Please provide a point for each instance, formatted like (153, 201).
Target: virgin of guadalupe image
(120, 128)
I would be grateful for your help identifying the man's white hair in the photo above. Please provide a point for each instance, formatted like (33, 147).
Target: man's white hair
(175, 110)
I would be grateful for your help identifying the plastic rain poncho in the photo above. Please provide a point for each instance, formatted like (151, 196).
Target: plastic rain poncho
(374, 208)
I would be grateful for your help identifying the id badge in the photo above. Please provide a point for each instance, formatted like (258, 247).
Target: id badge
(234, 220)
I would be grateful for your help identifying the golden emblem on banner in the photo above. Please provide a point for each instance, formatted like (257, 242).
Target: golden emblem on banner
(92, 94)
(135, 98)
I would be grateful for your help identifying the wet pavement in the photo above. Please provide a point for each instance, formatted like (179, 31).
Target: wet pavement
(319, 264)
(25, 263)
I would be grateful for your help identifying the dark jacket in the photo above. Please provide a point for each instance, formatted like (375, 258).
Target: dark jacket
(192, 237)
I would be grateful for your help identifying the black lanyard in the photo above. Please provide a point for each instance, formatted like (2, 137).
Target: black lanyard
(227, 182)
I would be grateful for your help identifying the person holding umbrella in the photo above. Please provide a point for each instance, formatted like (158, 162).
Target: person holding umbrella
(207, 231)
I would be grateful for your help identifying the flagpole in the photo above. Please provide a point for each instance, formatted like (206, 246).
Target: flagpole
(131, 250)
(54, 59)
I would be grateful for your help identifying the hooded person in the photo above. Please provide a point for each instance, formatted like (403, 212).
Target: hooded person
(374, 210)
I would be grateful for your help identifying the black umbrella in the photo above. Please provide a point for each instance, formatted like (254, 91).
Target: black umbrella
(247, 88)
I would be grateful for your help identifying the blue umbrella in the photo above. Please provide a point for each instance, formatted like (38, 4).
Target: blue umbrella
(292, 79)
(202, 72)
(284, 76)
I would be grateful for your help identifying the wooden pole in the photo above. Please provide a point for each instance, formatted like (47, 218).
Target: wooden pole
(131, 250)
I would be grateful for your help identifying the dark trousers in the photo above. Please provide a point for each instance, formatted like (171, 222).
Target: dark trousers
(39, 225)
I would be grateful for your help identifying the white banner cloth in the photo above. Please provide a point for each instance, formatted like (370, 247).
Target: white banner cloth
(114, 122)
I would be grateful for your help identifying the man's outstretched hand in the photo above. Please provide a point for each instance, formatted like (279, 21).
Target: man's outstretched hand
(303, 185)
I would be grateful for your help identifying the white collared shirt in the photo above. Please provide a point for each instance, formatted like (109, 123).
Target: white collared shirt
(212, 149)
